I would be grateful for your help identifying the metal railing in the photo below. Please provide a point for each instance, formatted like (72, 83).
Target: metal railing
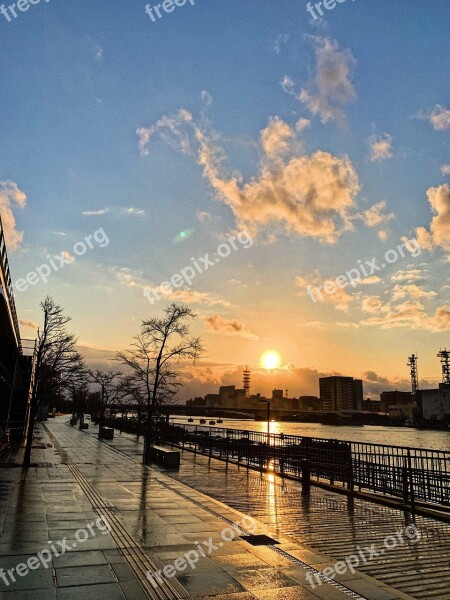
(411, 474)
(7, 287)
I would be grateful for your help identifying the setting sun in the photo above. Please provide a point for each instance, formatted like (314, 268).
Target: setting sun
(270, 359)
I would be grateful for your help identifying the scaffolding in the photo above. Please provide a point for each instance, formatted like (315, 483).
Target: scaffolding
(412, 364)
(444, 355)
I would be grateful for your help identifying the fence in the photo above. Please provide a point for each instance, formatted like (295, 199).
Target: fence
(412, 474)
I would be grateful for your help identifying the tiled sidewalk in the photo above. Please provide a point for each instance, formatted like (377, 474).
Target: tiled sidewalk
(165, 518)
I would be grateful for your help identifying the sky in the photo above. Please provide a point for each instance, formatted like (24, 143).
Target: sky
(247, 153)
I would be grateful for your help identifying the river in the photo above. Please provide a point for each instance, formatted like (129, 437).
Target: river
(393, 436)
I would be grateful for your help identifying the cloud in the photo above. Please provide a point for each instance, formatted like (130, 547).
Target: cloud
(225, 326)
(170, 129)
(69, 258)
(372, 304)
(372, 280)
(439, 117)
(408, 275)
(310, 196)
(445, 169)
(376, 215)
(307, 195)
(332, 87)
(133, 211)
(380, 147)
(281, 40)
(412, 315)
(276, 138)
(10, 196)
(206, 98)
(439, 233)
(95, 213)
(410, 290)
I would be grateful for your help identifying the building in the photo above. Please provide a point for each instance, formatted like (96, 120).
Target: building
(434, 405)
(340, 393)
(395, 398)
(373, 406)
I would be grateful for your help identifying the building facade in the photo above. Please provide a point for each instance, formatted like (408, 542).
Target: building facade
(340, 393)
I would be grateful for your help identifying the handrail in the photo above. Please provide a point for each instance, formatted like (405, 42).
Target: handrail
(7, 286)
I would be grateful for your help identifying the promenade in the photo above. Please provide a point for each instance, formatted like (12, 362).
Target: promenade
(149, 519)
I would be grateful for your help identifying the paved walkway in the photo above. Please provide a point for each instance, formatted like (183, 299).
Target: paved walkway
(150, 521)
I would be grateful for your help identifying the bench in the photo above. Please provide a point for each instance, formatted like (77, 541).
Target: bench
(165, 457)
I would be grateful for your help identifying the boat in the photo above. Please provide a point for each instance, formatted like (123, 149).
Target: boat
(212, 422)
(202, 421)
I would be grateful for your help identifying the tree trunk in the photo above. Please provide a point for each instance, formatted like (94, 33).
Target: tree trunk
(29, 440)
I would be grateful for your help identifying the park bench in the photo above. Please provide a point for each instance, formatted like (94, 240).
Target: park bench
(165, 457)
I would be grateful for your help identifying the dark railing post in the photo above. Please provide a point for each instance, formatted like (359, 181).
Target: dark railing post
(411, 482)
(195, 441)
(306, 478)
(281, 453)
(405, 485)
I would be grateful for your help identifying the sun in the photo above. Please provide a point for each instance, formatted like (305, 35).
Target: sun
(270, 359)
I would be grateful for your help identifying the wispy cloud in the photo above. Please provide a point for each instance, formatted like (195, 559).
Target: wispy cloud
(380, 147)
(332, 87)
(438, 117)
(95, 213)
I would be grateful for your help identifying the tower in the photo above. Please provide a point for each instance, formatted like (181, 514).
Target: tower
(247, 382)
(444, 355)
(412, 363)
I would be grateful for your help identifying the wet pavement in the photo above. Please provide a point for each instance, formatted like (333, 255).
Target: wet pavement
(151, 519)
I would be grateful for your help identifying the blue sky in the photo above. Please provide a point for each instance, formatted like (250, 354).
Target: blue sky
(367, 86)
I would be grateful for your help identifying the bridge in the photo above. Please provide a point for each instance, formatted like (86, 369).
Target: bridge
(15, 365)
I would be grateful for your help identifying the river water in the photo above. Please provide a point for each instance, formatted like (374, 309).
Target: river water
(393, 436)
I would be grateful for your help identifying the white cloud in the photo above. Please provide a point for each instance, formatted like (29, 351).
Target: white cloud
(380, 147)
(10, 196)
(95, 213)
(206, 98)
(133, 211)
(372, 304)
(445, 169)
(439, 117)
(276, 138)
(281, 40)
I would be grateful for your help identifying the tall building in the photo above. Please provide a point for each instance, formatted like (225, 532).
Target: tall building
(340, 393)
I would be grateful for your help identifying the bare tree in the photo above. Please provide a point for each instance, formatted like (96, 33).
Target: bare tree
(153, 356)
(58, 366)
(110, 390)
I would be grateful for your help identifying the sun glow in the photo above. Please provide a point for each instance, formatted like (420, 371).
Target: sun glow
(270, 359)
